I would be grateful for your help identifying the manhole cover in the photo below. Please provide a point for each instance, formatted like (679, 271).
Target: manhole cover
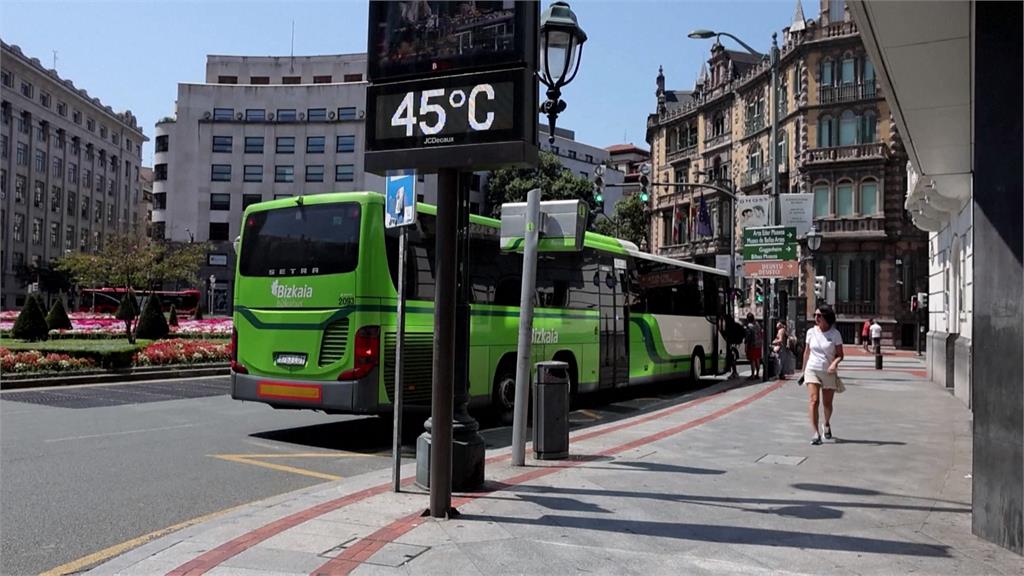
(394, 554)
(779, 459)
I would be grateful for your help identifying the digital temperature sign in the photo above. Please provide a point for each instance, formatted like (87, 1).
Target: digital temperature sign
(446, 119)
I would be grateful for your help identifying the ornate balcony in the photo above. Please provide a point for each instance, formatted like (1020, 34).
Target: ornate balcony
(717, 141)
(677, 154)
(856, 152)
(865, 308)
(753, 125)
(843, 226)
(754, 177)
(847, 93)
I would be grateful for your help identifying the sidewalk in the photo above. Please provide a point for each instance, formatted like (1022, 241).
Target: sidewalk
(725, 482)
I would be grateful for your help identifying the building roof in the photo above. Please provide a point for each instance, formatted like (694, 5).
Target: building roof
(625, 149)
(678, 98)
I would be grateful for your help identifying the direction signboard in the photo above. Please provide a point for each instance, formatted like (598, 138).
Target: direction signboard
(770, 252)
(776, 252)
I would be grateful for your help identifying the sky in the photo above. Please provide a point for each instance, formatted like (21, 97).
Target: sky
(132, 54)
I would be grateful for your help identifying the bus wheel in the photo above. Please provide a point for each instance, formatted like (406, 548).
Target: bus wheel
(504, 396)
(696, 367)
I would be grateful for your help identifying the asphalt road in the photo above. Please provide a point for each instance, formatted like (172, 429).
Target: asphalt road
(79, 475)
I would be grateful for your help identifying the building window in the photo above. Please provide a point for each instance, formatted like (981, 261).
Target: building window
(100, 183)
(160, 201)
(85, 208)
(103, 131)
(316, 114)
(255, 115)
(869, 198)
(346, 143)
(250, 199)
(867, 128)
(315, 173)
(40, 161)
(76, 116)
(314, 145)
(836, 10)
(219, 231)
(159, 172)
(27, 90)
(37, 194)
(37, 231)
(846, 72)
(19, 227)
(6, 78)
(353, 78)
(285, 144)
(291, 80)
(572, 154)
(222, 144)
(90, 125)
(590, 158)
(162, 143)
(223, 114)
(227, 79)
(44, 99)
(55, 194)
(253, 173)
(344, 173)
(284, 173)
(110, 213)
(821, 208)
(555, 150)
(844, 199)
(326, 79)
(286, 115)
(220, 173)
(868, 72)
(826, 72)
(259, 80)
(220, 202)
(718, 125)
(22, 154)
(825, 136)
(848, 129)
(69, 237)
(72, 203)
(347, 113)
(254, 144)
(54, 234)
(58, 168)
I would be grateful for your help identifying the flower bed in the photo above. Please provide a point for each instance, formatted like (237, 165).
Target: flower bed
(87, 325)
(35, 361)
(182, 351)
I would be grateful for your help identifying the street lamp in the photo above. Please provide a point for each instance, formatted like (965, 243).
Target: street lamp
(561, 48)
(813, 241)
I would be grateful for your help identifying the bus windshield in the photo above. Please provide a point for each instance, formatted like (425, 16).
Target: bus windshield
(316, 239)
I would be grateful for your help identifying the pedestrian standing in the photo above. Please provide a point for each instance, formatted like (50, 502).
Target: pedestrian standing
(781, 347)
(876, 336)
(822, 355)
(752, 341)
(865, 334)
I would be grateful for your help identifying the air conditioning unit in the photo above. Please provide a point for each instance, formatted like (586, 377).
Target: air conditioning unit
(239, 116)
(302, 116)
(207, 115)
(331, 115)
(270, 116)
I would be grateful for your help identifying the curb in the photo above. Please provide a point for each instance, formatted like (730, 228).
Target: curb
(136, 375)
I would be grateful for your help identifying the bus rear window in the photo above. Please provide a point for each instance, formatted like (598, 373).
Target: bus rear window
(301, 240)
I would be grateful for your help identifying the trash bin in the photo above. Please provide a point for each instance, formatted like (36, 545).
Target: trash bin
(551, 411)
(769, 365)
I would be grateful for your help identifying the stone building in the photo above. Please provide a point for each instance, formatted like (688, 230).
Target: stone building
(69, 173)
(836, 141)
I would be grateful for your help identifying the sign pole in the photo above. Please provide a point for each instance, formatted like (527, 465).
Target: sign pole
(444, 344)
(399, 344)
(530, 237)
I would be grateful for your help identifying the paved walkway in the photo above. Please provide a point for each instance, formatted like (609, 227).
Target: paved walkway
(724, 482)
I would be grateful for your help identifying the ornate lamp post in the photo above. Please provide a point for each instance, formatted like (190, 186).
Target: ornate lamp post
(561, 48)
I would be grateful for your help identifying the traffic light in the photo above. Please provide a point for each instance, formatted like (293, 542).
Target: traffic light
(819, 287)
(758, 292)
(599, 187)
(645, 183)
(913, 303)
(922, 300)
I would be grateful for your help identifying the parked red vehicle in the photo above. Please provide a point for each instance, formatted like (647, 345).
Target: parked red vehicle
(106, 300)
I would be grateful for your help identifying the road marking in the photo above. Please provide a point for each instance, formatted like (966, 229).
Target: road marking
(590, 414)
(248, 459)
(121, 433)
(118, 549)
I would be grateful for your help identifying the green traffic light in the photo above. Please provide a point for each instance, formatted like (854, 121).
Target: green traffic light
(760, 299)
(599, 199)
(644, 197)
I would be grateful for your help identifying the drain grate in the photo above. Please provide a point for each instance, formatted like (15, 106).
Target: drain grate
(100, 396)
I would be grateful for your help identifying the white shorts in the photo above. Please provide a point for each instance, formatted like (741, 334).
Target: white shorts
(821, 378)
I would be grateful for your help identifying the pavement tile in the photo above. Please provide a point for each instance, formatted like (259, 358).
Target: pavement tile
(274, 560)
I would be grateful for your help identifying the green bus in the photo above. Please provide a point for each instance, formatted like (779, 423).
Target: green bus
(315, 300)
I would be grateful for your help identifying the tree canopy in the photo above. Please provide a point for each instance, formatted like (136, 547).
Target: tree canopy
(556, 181)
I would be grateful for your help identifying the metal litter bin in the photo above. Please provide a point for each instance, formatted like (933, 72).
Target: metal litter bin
(551, 411)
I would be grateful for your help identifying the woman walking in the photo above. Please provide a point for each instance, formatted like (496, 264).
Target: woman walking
(822, 355)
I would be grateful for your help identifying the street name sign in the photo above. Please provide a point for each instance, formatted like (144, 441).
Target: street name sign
(770, 252)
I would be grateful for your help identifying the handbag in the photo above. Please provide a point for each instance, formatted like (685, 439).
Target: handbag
(840, 387)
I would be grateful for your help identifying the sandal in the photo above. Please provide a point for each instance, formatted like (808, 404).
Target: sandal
(828, 432)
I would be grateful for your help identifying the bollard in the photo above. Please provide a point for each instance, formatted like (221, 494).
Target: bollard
(551, 411)
(878, 360)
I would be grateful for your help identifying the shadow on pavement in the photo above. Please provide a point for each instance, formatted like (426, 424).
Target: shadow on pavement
(727, 534)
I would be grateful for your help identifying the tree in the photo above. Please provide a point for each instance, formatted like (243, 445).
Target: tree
(133, 261)
(31, 322)
(127, 310)
(629, 222)
(152, 324)
(58, 319)
(556, 182)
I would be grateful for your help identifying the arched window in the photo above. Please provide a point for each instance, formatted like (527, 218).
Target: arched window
(848, 129)
(754, 158)
(847, 70)
(867, 127)
(869, 71)
(869, 197)
(718, 126)
(821, 200)
(681, 137)
(825, 136)
(826, 72)
(782, 153)
(844, 198)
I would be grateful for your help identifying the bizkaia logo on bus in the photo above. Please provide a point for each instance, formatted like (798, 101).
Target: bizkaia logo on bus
(291, 292)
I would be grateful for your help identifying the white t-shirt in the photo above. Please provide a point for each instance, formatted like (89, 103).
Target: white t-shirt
(823, 347)
(876, 330)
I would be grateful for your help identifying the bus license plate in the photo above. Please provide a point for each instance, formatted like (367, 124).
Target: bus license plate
(291, 360)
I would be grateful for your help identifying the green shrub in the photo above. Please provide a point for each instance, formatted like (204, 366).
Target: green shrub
(128, 309)
(31, 322)
(152, 324)
(58, 319)
(172, 316)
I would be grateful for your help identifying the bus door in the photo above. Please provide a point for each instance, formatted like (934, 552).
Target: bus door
(614, 324)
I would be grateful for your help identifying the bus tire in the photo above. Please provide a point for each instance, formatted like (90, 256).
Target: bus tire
(696, 367)
(503, 393)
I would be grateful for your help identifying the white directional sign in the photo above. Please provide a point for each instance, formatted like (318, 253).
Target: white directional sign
(400, 200)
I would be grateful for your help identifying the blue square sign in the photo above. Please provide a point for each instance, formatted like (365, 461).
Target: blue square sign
(400, 200)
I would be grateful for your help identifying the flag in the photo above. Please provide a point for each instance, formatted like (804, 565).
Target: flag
(704, 227)
(677, 223)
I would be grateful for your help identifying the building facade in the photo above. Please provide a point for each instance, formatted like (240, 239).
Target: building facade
(257, 129)
(582, 159)
(627, 159)
(836, 140)
(69, 171)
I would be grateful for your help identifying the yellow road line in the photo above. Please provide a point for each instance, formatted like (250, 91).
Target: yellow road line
(306, 455)
(118, 549)
(242, 459)
(592, 415)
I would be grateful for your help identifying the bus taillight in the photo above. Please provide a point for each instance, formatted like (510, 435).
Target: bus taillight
(235, 366)
(367, 353)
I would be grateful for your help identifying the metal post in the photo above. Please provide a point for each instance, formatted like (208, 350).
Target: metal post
(444, 340)
(531, 236)
(396, 448)
(774, 155)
